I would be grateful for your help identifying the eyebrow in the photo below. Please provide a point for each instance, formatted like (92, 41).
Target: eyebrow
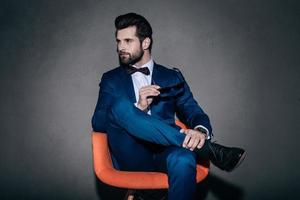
(124, 39)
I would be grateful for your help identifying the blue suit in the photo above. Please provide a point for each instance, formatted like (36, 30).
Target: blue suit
(140, 142)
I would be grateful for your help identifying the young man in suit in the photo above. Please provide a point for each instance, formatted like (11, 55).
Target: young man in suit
(136, 108)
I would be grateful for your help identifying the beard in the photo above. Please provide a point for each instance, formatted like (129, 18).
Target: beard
(130, 58)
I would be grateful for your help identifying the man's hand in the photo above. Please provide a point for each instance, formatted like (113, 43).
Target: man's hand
(146, 95)
(193, 139)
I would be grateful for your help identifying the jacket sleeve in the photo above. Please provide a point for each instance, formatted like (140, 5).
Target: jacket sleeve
(188, 110)
(105, 99)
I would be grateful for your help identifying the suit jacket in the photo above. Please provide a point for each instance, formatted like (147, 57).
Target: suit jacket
(117, 83)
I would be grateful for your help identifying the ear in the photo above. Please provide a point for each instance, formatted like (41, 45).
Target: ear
(146, 43)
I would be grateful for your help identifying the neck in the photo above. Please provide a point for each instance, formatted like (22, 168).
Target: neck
(146, 58)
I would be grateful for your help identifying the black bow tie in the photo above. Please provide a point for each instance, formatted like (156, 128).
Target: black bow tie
(131, 70)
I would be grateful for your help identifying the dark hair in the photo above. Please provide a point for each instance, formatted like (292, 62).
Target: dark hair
(143, 27)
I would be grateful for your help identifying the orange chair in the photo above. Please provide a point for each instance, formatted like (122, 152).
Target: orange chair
(105, 171)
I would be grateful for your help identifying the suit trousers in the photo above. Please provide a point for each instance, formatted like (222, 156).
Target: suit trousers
(140, 142)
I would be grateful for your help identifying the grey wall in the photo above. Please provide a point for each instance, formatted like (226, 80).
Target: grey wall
(240, 58)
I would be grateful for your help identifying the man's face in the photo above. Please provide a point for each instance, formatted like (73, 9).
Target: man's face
(129, 46)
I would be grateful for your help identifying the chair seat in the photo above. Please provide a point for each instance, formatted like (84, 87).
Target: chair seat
(105, 171)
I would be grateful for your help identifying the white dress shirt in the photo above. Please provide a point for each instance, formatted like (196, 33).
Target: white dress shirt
(140, 80)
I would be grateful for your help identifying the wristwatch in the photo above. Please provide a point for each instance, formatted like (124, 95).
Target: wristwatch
(202, 130)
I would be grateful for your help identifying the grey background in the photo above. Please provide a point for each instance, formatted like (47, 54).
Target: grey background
(241, 59)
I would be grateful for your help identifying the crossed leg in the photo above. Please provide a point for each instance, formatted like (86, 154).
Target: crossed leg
(141, 142)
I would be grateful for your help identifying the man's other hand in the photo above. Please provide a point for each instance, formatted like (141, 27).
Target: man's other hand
(146, 95)
(193, 139)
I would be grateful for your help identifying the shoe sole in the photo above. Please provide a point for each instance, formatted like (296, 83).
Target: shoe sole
(242, 157)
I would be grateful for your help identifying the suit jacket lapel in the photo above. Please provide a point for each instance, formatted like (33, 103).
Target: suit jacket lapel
(157, 79)
(128, 85)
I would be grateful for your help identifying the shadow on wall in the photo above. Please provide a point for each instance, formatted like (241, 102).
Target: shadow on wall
(220, 188)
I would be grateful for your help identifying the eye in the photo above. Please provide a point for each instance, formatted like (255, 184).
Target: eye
(128, 40)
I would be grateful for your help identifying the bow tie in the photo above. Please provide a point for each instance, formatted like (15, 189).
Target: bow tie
(131, 70)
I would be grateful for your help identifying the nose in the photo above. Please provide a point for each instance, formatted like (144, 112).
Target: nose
(121, 46)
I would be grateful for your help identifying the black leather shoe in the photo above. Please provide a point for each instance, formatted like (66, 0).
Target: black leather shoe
(226, 158)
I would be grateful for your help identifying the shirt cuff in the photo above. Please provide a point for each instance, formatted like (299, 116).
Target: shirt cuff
(148, 111)
(207, 131)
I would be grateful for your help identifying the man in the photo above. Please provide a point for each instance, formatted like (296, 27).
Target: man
(137, 105)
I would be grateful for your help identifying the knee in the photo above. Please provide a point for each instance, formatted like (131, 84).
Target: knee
(181, 161)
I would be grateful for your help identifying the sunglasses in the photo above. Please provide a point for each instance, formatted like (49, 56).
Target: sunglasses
(172, 90)
(172, 87)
